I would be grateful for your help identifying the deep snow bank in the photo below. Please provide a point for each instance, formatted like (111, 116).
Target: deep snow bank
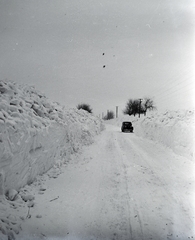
(174, 129)
(35, 134)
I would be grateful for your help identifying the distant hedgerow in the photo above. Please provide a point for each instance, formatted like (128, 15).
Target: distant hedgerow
(109, 115)
(85, 107)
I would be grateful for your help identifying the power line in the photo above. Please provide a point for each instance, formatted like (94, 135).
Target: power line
(170, 98)
(173, 84)
(173, 79)
(178, 86)
(175, 89)
(172, 89)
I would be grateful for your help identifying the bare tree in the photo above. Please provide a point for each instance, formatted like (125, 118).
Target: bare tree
(138, 106)
(147, 104)
(85, 107)
(132, 107)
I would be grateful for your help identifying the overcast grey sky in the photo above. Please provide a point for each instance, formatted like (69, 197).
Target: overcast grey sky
(58, 46)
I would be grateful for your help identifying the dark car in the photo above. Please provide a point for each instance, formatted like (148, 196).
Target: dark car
(127, 127)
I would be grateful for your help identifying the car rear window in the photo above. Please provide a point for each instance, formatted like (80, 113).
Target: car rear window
(126, 123)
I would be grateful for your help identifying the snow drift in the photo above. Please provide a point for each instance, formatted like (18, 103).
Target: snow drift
(35, 134)
(174, 129)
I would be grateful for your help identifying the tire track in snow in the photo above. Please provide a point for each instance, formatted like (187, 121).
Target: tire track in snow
(133, 208)
(119, 198)
(155, 161)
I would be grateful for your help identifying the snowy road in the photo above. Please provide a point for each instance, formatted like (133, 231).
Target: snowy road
(121, 187)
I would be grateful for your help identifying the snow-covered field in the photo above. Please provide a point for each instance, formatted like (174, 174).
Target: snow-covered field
(93, 186)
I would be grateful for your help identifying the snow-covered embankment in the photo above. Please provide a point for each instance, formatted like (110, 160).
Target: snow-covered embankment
(173, 129)
(35, 134)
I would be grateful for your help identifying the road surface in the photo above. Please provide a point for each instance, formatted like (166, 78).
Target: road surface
(121, 187)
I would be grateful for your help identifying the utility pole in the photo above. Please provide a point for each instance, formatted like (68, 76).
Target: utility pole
(116, 111)
(140, 100)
